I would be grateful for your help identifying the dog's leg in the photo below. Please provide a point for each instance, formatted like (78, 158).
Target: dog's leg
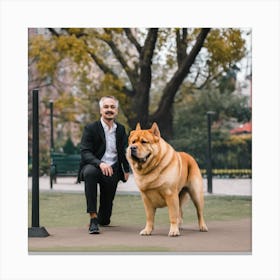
(183, 198)
(172, 201)
(196, 194)
(150, 216)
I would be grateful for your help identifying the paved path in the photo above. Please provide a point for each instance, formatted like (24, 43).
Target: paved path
(222, 237)
(220, 186)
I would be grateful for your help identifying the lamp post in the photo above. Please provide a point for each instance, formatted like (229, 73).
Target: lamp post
(35, 159)
(51, 122)
(51, 143)
(209, 152)
(35, 230)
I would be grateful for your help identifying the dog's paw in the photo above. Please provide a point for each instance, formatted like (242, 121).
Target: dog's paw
(174, 232)
(145, 232)
(203, 228)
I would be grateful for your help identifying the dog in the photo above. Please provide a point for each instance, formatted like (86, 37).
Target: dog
(164, 177)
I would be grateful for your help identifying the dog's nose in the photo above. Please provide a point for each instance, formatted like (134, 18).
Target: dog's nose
(133, 148)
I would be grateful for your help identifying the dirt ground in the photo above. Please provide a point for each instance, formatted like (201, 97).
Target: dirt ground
(222, 237)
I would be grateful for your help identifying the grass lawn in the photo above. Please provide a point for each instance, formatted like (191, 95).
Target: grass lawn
(68, 210)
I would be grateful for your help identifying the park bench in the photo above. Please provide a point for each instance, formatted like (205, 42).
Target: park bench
(63, 165)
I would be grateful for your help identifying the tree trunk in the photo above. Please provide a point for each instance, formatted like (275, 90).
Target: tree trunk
(141, 100)
(164, 114)
(165, 124)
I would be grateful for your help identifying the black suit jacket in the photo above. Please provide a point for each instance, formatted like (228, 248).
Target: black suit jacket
(93, 146)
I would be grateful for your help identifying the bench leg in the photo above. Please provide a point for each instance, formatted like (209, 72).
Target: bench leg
(51, 182)
(52, 175)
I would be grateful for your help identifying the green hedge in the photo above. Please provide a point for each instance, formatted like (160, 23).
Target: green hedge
(228, 152)
(229, 173)
(233, 153)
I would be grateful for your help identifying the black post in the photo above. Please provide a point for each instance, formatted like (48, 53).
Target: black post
(209, 153)
(35, 160)
(35, 230)
(51, 121)
(52, 143)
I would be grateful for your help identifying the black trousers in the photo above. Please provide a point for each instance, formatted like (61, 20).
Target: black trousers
(107, 188)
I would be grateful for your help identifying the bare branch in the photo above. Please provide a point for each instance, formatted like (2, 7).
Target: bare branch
(146, 58)
(182, 44)
(210, 79)
(54, 32)
(100, 63)
(173, 85)
(132, 75)
(132, 39)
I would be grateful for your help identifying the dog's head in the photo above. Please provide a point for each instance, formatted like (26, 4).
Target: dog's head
(143, 146)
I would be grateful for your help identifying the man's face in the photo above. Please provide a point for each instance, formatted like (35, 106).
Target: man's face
(109, 109)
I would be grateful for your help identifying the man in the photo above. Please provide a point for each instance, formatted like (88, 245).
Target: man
(103, 161)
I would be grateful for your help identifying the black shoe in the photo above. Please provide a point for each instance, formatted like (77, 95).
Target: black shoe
(103, 221)
(93, 227)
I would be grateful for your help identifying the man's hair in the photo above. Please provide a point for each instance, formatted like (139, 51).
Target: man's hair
(109, 96)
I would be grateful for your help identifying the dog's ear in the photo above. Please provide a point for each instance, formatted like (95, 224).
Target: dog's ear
(155, 130)
(138, 127)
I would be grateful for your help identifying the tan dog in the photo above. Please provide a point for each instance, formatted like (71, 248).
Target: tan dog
(165, 178)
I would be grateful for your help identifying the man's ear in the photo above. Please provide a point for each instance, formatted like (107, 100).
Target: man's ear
(155, 130)
(138, 127)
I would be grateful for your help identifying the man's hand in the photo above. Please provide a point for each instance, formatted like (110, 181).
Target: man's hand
(106, 169)
(126, 175)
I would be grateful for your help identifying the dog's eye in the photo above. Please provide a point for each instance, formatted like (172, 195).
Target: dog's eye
(144, 142)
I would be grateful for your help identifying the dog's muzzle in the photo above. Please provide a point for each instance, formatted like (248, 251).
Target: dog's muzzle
(133, 152)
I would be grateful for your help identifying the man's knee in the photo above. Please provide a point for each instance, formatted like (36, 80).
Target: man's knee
(90, 172)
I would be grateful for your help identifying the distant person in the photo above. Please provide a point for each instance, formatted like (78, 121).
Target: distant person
(103, 162)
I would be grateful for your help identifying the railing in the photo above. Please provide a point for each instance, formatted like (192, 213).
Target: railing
(229, 173)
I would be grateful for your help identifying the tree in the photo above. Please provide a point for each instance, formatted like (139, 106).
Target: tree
(139, 64)
(191, 127)
(69, 147)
